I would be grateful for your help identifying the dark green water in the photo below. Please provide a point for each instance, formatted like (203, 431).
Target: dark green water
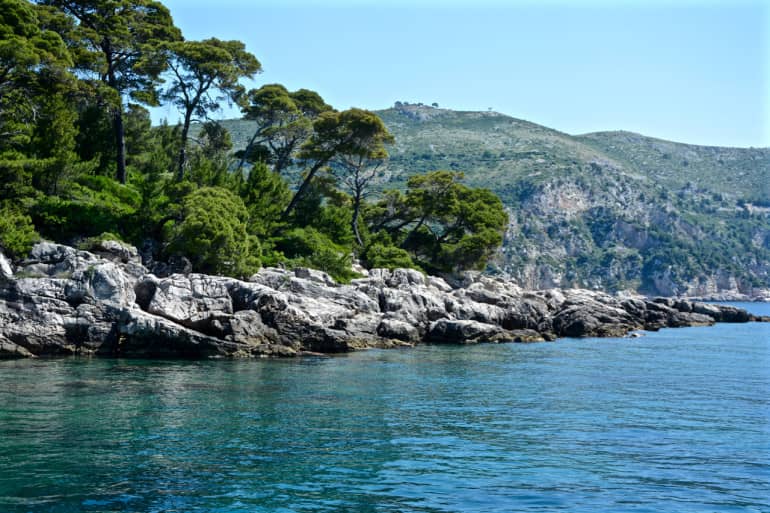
(675, 421)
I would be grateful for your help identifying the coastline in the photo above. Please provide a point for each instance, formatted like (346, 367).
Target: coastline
(63, 301)
(728, 298)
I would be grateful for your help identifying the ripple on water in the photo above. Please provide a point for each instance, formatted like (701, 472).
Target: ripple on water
(678, 420)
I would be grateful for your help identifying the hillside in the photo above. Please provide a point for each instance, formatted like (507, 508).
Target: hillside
(738, 173)
(610, 210)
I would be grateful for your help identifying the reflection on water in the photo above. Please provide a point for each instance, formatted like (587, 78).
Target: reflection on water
(677, 420)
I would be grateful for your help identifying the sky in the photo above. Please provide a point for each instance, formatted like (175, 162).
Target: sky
(684, 70)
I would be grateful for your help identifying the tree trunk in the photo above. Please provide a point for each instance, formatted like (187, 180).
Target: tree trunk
(302, 188)
(282, 161)
(117, 119)
(120, 143)
(354, 221)
(247, 150)
(182, 163)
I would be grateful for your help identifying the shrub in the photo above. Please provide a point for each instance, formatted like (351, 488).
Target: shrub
(388, 257)
(307, 247)
(212, 233)
(64, 220)
(17, 234)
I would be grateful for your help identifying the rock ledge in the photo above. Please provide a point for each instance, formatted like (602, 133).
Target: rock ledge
(62, 301)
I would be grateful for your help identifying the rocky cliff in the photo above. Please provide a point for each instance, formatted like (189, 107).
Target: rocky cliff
(62, 301)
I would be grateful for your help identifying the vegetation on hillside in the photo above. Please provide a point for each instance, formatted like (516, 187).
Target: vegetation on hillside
(606, 210)
(79, 157)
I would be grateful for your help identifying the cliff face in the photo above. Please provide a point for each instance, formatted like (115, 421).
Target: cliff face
(62, 301)
(609, 211)
(611, 235)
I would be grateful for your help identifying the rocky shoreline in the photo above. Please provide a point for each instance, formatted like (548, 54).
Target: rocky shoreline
(763, 296)
(62, 301)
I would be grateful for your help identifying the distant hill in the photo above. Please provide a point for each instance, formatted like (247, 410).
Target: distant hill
(607, 210)
(735, 172)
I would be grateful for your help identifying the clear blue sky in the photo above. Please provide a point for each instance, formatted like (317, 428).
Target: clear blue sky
(687, 70)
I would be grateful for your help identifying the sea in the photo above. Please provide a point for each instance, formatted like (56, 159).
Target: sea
(674, 421)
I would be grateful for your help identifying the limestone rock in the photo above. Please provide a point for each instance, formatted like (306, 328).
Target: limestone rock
(65, 301)
(190, 300)
(314, 275)
(399, 330)
(9, 350)
(469, 332)
(6, 269)
(117, 252)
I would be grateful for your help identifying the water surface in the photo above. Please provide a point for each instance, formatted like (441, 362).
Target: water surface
(677, 420)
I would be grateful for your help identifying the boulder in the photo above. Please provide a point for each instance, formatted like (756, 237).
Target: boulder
(463, 332)
(10, 350)
(398, 330)
(471, 332)
(315, 275)
(590, 314)
(190, 300)
(438, 284)
(405, 278)
(117, 251)
(100, 282)
(145, 335)
(722, 313)
(36, 323)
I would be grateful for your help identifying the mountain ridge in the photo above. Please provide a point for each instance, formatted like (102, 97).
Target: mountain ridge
(611, 210)
(684, 143)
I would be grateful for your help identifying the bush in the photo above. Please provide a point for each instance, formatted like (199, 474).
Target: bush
(102, 189)
(17, 234)
(94, 243)
(266, 195)
(307, 247)
(444, 225)
(65, 220)
(388, 257)
(212, 234)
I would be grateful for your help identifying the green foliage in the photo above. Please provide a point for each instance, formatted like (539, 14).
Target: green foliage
(308, 247)
(66, 220)
(284, 123)
(33, 63)
(103, 190)
(209, 171)
(445, 225)
(16, 177)
(204, 74)
(355, 133)
(140, 137)
(212, 232)
(93, 243)
(379, 255)
(326, 209)
(74, 75)
(214, 139)
(87, 206)
(266, 195)
(17, 233)
(95, 140)
(54, 139)
(356, 164)
(118, 42)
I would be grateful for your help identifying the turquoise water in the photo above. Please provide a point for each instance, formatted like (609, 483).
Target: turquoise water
(677, 420)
